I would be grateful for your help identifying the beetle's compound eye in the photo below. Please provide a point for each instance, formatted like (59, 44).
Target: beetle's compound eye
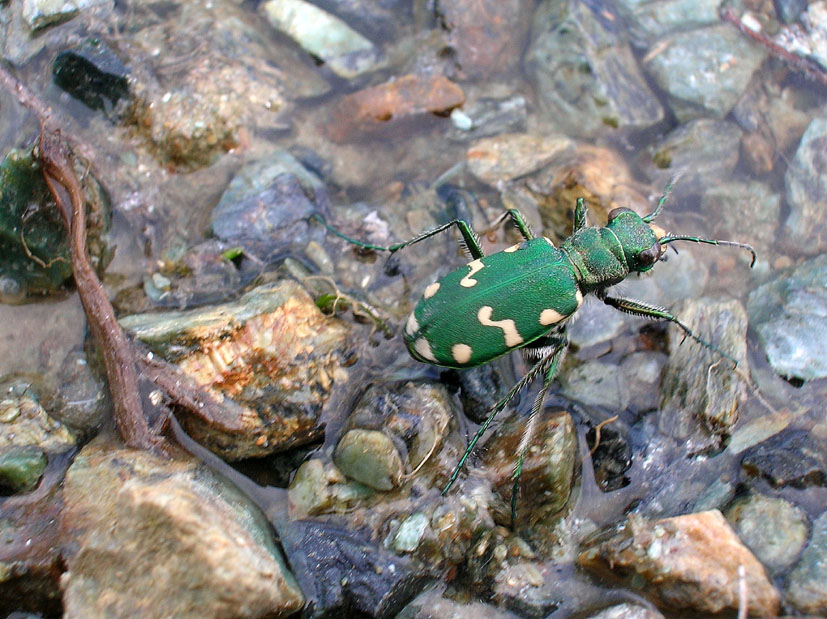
(617, 211)
(650, 256)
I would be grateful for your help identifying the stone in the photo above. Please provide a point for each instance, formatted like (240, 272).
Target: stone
(705, 71)
(166, 538)
(805, 180)
(689, 562)
(774, 529)
(365, 112)
(272, 357)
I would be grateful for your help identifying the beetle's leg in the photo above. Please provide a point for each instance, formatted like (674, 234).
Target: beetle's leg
(646, 310)
(536, 369)
(469, 238)
(579, 215)
(517, 219)
(552, 359)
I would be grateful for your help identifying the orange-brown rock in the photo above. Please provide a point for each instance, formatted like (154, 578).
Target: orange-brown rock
(371, 109)
(687, 562)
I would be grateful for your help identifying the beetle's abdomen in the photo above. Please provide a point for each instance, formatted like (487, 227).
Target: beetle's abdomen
(493, 305)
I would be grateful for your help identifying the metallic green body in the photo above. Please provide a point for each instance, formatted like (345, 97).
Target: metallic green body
(507, 300)
(530, 288)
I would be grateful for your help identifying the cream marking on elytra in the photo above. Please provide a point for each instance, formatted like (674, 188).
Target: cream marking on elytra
(412, 326)
(461, 353)
(548, 240)
(509, 327)
(550, 317)
(512, 249)
(578, 297)
(431, 290)
(467, 281)
(422, 347)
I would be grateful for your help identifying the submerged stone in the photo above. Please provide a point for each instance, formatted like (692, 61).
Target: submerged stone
(701, 389)
(34, 250)
(705, 71)
(806, 591)
(393, 431)
(805, 182)
(366, 112)
(774, 529)
(587, 77)
(506, 157)
(323, 35)
(93, 74)
(21, 468)
(42, 13)
(548, 468)
(789, 313)
(369, 457)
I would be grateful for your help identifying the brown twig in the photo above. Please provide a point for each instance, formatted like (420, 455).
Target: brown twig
(597, 430)
(118, 354)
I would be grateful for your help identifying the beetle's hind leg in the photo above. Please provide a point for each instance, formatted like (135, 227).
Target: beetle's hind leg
(551, 355)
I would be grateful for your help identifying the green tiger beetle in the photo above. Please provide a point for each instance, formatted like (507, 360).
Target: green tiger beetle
(522, 296)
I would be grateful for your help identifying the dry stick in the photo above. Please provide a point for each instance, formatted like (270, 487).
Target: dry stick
(118, 355)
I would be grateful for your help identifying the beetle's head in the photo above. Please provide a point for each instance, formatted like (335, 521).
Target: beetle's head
(640, 239)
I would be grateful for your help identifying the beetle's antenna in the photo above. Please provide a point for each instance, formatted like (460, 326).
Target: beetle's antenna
(669, 238)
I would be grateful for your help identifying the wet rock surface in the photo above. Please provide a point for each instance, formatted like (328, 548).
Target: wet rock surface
(129, 515)
(689, 562)
(786, 313)
(272, 355)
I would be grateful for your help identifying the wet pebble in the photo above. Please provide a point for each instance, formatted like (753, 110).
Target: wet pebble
(42, 13)
(806, 591)
(794, 458)
(319, 487)
(93, 73)
(654, 20)
(701, 389)
(720, 53)
(748, 212)
(627, 611)
(788, 313)
(547, 472)
(20, 468)
(509, 156)
(366, 112)
(25, 423)
(689, 562)
(393, 431)
(346, 52)
(585, 73)
(40, 263)
(805, 180)
(488, 36)
(772, 528)
(485, 117)
(703, 151)
(130, 516)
